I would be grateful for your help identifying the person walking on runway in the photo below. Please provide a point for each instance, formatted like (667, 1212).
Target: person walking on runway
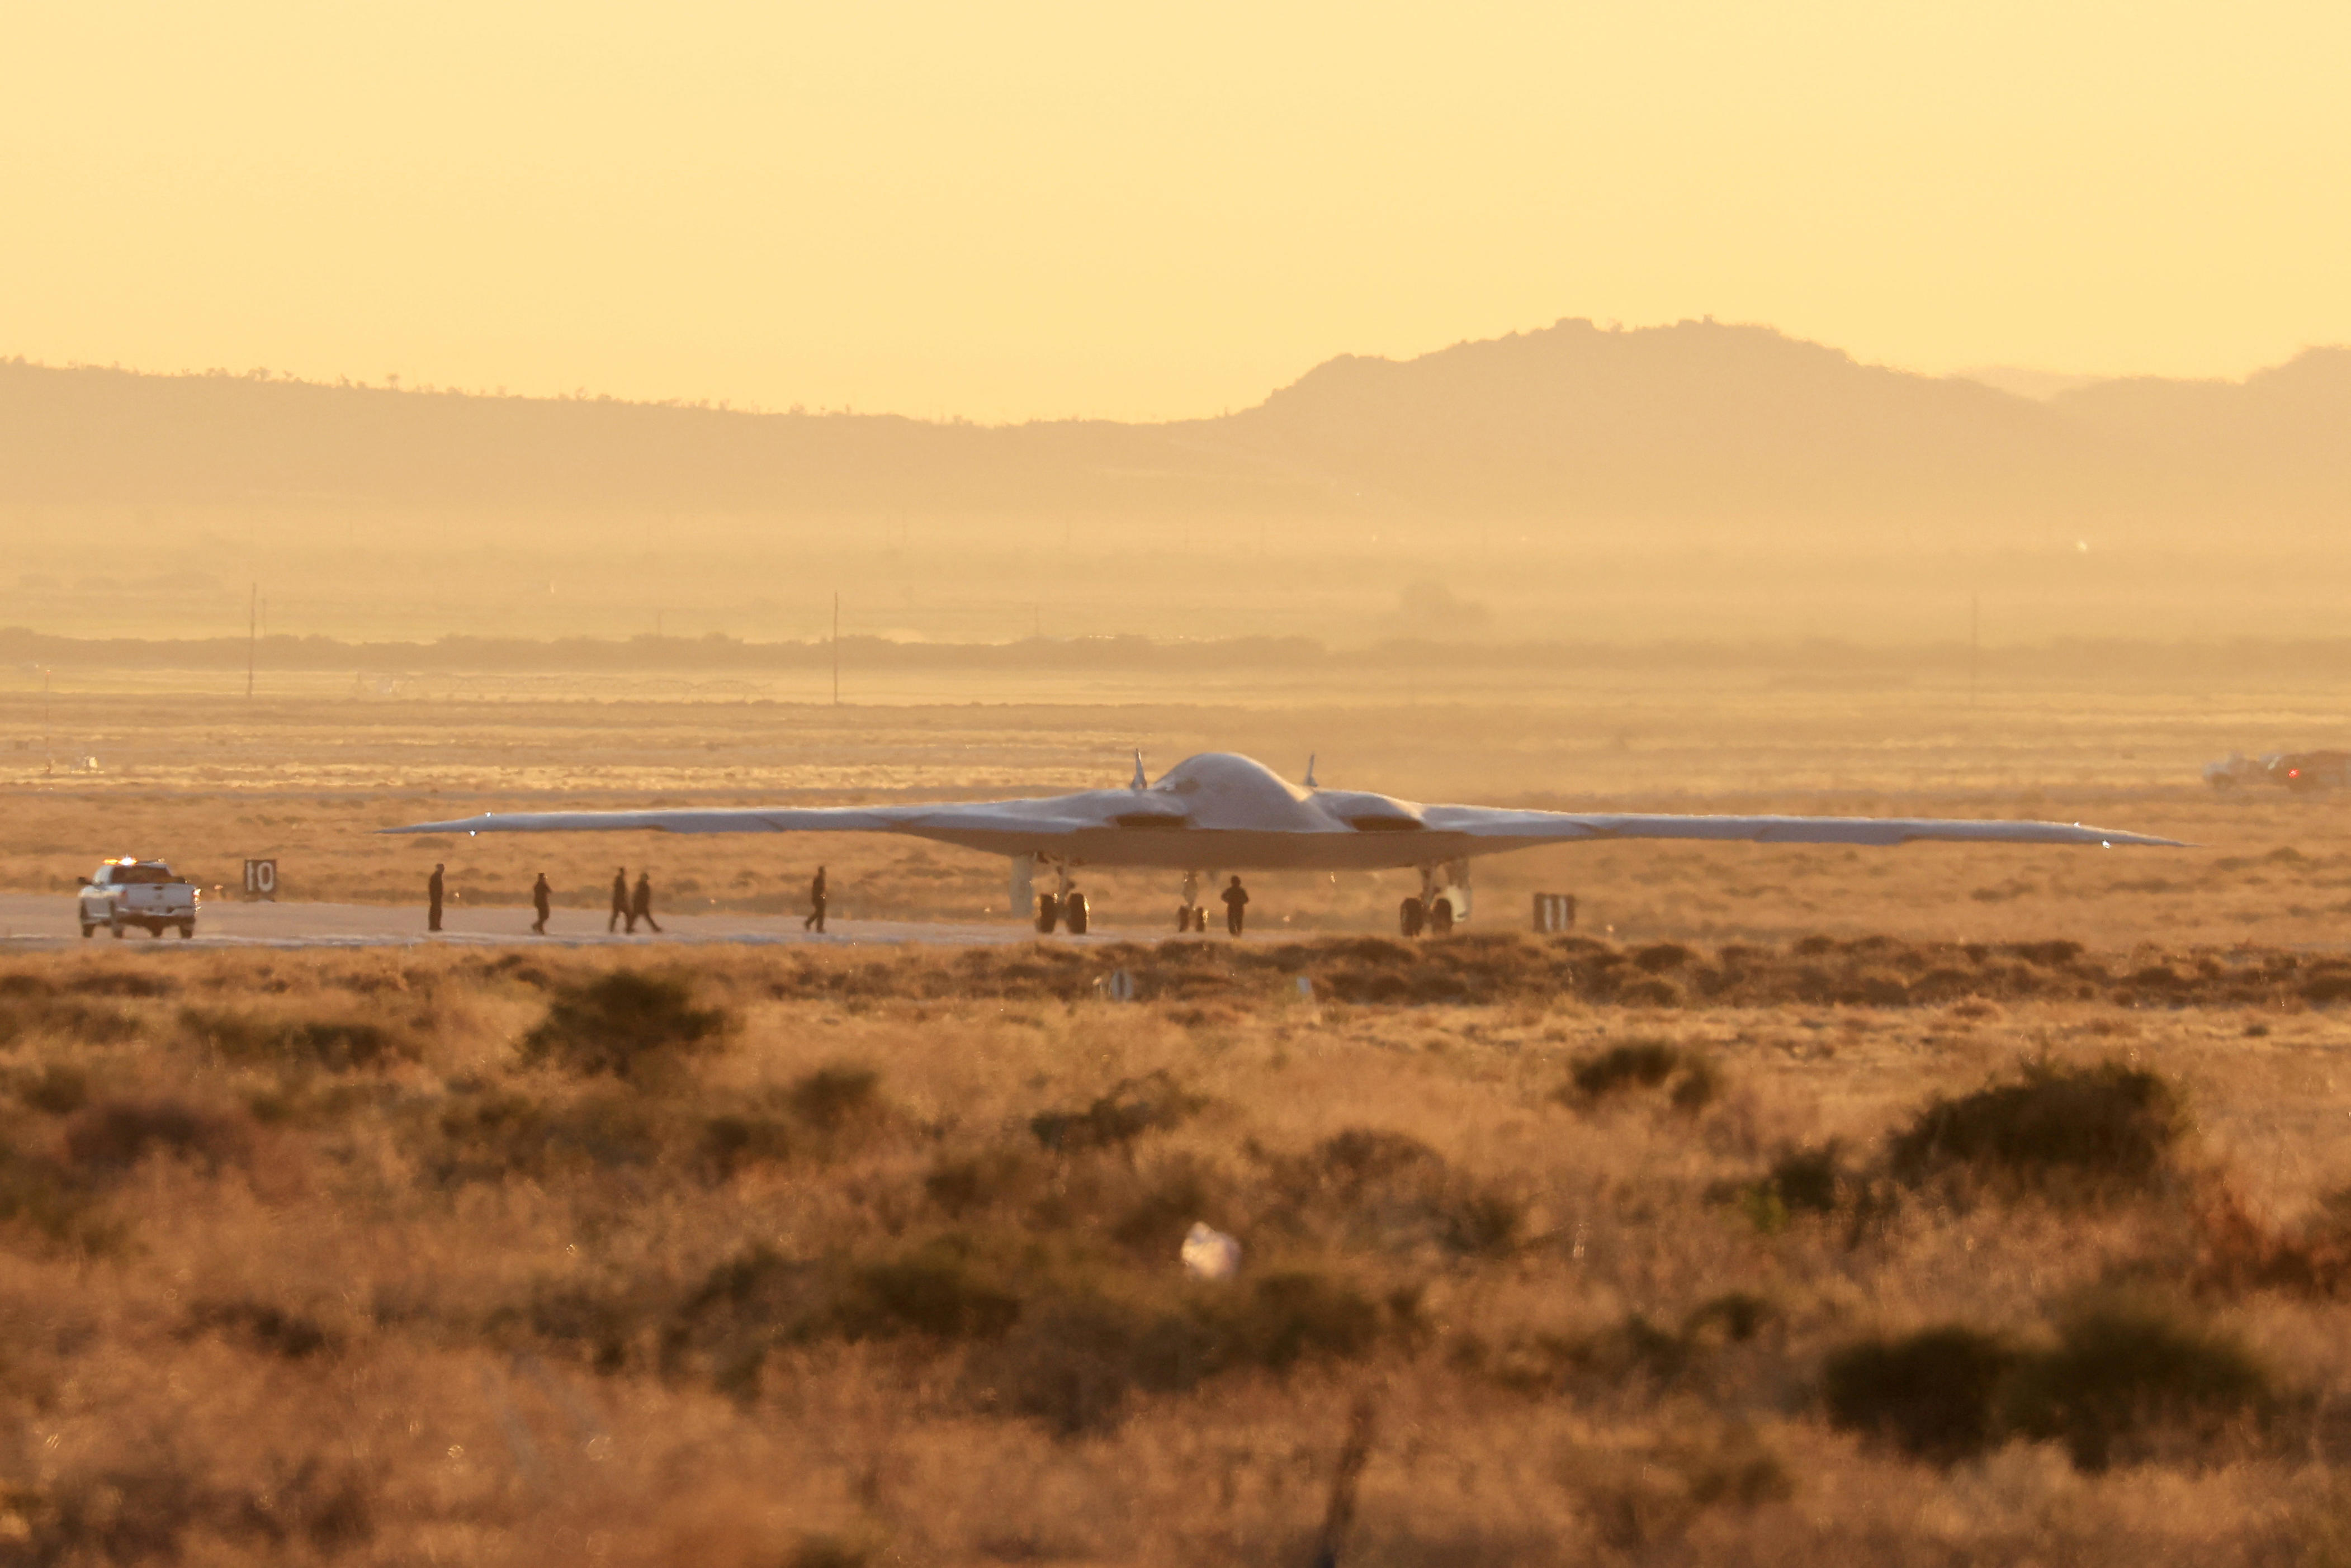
(433, 885)
(815, 921)
(1235, 898)
(542, 898)
(620, 902)
(642, 906)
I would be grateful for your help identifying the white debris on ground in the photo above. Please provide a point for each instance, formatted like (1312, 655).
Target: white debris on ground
(1210, 1254)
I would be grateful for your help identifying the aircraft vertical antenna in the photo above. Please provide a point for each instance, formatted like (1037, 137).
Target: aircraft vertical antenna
(252, 634)
(1310, 772)
(1138, 784)
(836, 648)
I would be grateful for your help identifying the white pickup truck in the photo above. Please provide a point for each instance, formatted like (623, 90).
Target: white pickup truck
(127, 892)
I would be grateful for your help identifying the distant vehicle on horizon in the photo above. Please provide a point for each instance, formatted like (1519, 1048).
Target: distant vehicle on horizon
(146, 893)
(2301, 771)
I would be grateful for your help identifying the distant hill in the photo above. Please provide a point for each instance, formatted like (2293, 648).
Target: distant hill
(1697, 422)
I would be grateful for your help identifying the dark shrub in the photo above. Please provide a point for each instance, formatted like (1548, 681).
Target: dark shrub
(1661, 957)
(832, 1097)
(1378, 1188)
(493, 1135)
(59, 1088)
(1809, 1179)
(1153, 1225)
(1738, 1315)
(624, 1022)
(827, 1551)
(1483, 1222)
(1132, 1108)
(1697, 1087)
(2098, 1129)
(271, 1329)
(2049, 954)
(1646, 1064)
(1933, 1394)
(118, 983)
(966, 1185)
(2126, 1372)
(115, 1134)
(1286, 1317)
(1072, 1363)
(38, 1193)
(723, 1328)
(337, 1044)
(938, 1289)
(1879, 989)
(2327, 986)
(737, 1143)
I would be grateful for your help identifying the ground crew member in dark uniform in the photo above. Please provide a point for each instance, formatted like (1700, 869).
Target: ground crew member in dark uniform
(542, 898)
(433, 899)
(620, 901)
(815, 921)
(642, 906)
(1235, 898)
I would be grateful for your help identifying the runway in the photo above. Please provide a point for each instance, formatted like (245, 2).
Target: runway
(41, 922)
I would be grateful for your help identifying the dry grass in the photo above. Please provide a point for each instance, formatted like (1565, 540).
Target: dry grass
(316, 1256)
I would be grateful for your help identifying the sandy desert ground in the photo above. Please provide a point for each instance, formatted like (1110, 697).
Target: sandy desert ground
(1938, 1206)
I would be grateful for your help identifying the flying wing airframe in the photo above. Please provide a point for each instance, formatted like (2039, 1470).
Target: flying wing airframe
(1218, 812)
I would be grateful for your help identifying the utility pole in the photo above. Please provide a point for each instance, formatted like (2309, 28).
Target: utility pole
(49, 743)
(1975, 641)
(836, 648)
(252, 634)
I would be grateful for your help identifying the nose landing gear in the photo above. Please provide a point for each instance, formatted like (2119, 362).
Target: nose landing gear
(1189, 914)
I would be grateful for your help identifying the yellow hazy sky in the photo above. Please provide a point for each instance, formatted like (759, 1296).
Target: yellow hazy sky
(1016, 210)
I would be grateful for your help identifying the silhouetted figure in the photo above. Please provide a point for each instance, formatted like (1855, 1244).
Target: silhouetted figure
(642, 906)
(620, 901)
(542, 898)
(432, 900)
(1236, 899)
(815, 921)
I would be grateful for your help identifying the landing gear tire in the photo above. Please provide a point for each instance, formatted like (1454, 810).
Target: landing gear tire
(1411, 917)
(1440, 918)
(1074, 914)
(86, 929)
(187, 929)
(1183, 918)
(1200, 921)
(1048, 914)
(115, 926)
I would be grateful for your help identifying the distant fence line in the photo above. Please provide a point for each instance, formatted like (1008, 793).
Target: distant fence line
(1792, 663)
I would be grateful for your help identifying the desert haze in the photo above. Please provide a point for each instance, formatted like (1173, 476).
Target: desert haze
(1693, 482)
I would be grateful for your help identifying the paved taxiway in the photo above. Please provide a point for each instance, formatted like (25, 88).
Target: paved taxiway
(35, 922)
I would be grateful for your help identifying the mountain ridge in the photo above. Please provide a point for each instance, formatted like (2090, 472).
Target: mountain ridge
(1697, 421)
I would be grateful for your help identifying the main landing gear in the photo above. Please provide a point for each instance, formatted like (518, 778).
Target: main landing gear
(1444, 897)
(1064, 906)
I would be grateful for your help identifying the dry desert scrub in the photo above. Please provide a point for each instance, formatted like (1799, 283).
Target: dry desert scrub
(762, 1258)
